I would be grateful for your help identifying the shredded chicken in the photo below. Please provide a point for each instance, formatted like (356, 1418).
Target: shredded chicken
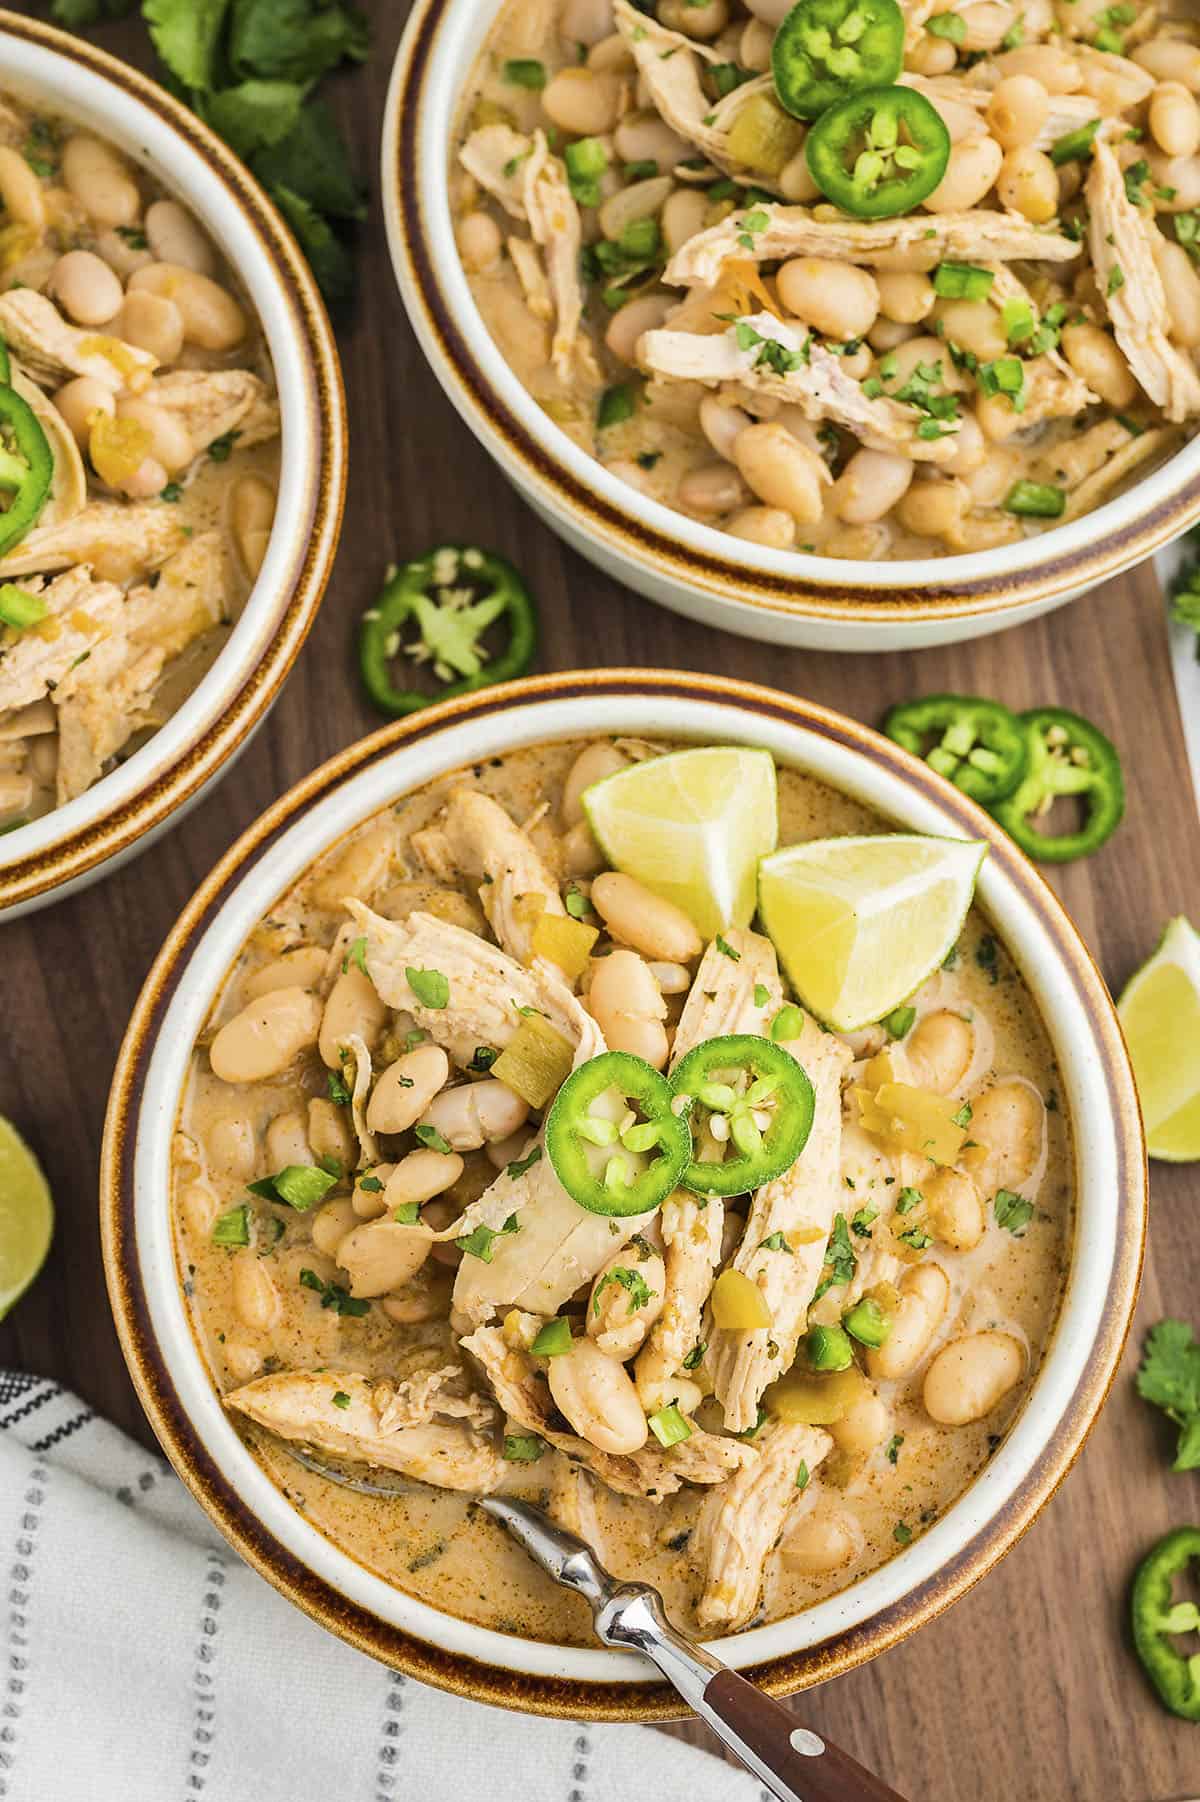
(1052, 388)
(119, 541)
(670, 65)
(368, 1148)
(299, 1405)
(81, 613)
(524, 1395)
(52, 351)
(210, 403)
(818, 384)
(1121, 238)
(487, 987)
(792, 231)
(800, 1205)
(189, 597)
(477, 839)
(101, 703)
(741, 1521)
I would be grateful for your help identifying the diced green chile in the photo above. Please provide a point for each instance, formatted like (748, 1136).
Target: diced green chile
(1158, 1618)
(1069, 756)
(977, 744)
(827, 49)
(878, 153)
(450, 634)
(754, 1157)
(26, 467)
(591, 1172)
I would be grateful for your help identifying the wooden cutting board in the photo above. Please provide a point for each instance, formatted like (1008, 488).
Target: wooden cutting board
(1027, 1690)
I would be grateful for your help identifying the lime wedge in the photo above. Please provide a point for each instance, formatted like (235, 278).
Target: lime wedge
(691, 827)
(1160, 1011)
(859, 923)
(26, 1216)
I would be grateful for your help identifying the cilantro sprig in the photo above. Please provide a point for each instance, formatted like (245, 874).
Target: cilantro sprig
(1169, 1376)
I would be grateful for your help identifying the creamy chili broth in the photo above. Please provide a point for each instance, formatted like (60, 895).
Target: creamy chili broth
(645, 240)
(255, 1313)
(139, 352)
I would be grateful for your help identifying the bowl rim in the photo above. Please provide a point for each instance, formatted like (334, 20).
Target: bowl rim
(998, 585)
(132, 1287)
(215, 720)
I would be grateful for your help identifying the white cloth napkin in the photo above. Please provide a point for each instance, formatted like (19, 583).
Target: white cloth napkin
(1184, 661)
(142, 1661)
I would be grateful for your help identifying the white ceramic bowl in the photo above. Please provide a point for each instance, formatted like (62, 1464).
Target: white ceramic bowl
(127, 809)
(152, 1318)
(784, 596)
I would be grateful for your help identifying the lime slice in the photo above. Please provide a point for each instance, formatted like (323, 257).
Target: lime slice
(859, 923)
(1160, 1011)
(26, 1216)
(691, 826)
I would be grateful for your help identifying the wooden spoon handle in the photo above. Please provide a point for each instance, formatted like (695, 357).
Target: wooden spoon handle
(796, 1764)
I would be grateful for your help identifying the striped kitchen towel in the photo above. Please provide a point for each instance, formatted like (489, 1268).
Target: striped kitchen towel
(144, 1662)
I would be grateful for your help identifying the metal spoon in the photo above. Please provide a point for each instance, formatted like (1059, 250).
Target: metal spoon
(796, 1764)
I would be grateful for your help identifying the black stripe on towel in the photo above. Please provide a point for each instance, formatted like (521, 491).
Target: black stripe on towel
(203, 1676)
(389, 1740)
(16, 1661)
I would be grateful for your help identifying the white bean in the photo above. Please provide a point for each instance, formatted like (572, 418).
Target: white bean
(86, 287)
(582, 101)
(769, 526)
(711, 489)
(683, 216)
(870, 486)
(597, 1396)
(381, 1255)
(406, 1088)
(79, 401)
(593, 764)
(939, 1050)
(1181, 285)
(782, 472)
(639, 200)
(1028, 183)
(820, 1543)
(835, 298)
(353, 1007)
(972, 1376)
(255, 1297)
(924, 1293)
(644, 921)
(629, 322)
(170, 441)
(301, 968)
(865, 1424)
(643, 137)
(1007, 1123)
(627, 1004)
(586, 21)
(973, 167)
(480, 240)
(472, 1114)
(420, 1176)
(904, 296)
(100, 181)
(252, 515)
(1174, 119)
(328, 1134)
(721, 423)
(231, 1146)
(331, 1223)
(212, 318)
(175, 237)
(368, 1195)
(955, 1209)
(1017, 110)
(287, 1141)
(20, 190)
(264, 1038)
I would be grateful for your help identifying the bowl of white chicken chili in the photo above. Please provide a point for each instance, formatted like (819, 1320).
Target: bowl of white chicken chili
(454, 1151)
(852, 326)
(169, 390)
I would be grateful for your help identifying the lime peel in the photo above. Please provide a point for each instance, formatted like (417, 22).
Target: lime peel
(691, 826)
(26, 1216)
(860, 922)
(1159, 1010)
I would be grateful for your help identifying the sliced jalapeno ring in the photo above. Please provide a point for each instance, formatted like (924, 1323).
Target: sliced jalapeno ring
(1066, 756)
(765, 1100)
(26, 467)
(452, 595)
(977, 744)
(879, 152)
(606, 1166)
(826, 49)
(1157, 1618)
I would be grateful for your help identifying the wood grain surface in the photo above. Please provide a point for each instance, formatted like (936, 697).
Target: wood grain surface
(1028, 1688)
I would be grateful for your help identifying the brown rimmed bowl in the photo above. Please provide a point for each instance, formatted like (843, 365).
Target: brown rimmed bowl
(172, 1377)
(128, 808)
(787, 597)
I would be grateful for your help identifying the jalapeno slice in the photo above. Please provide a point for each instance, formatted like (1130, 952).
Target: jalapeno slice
(756, 1099)
(1157, 1617)
(451, 595)
(826, 49)
(616, 1144)
(1067, 755)
(26, 467)
(879, 152)
(977, 744)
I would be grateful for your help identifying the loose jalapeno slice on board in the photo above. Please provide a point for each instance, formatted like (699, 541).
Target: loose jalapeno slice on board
(977, 744)
(1157, 1618)
(1067, 756)
(610, 1115)
(452, 595)
(878, 153)
(826, 49)
(765, 1100)
(26, 467)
